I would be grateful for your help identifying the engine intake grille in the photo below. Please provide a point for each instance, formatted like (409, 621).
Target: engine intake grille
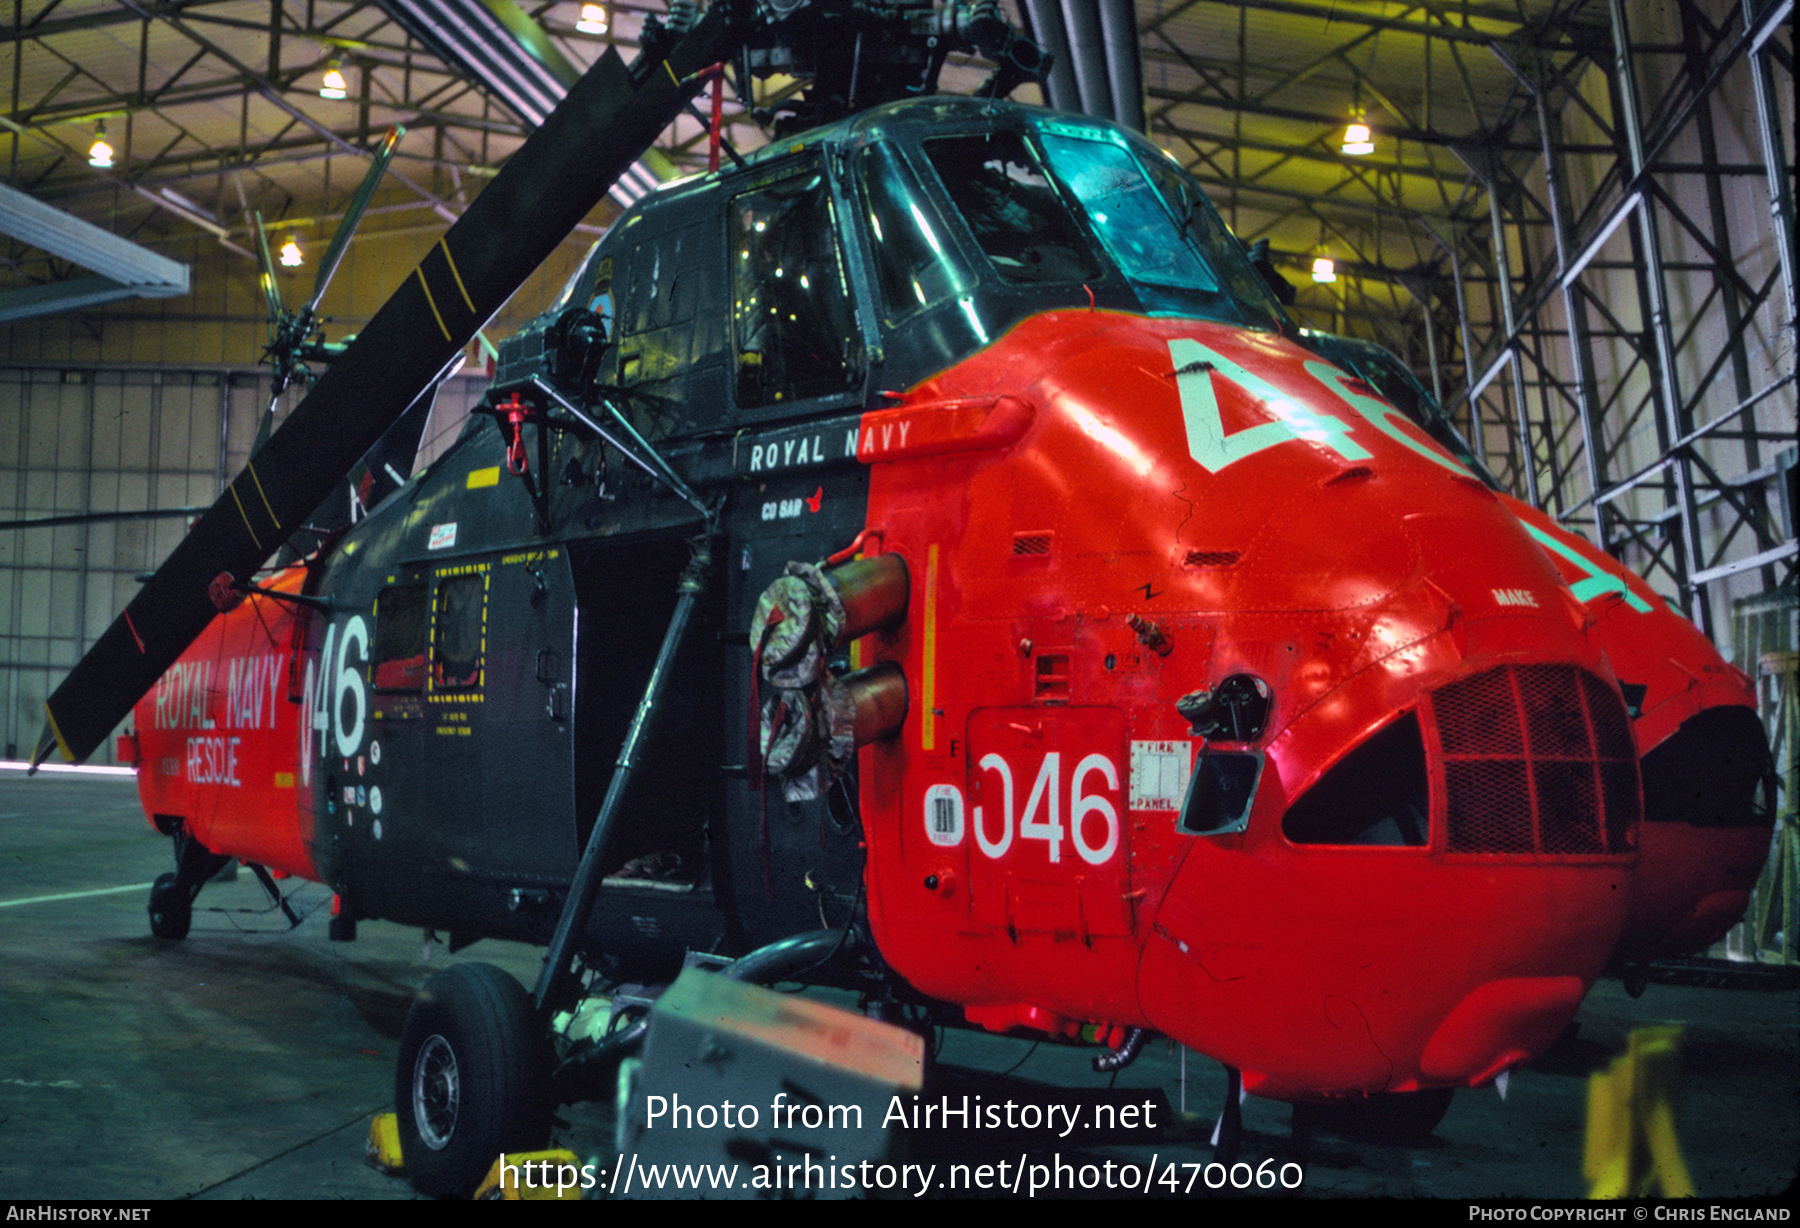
(1538, 760)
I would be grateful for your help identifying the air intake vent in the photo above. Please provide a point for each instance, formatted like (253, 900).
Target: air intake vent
(1211, 558)
(1031, 545)
(1713, 773)
(1538, 760)
(1052, 680)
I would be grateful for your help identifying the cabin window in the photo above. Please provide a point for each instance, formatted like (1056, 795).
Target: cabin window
(791, 303)
(664, 283)
(1015, 215)
(600, 295)
(576, 289)
(915, 263)
(459, 633)
(664, 276)
(663, 286)
(399, 655)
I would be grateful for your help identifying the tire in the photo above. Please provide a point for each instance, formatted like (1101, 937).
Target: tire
(1399, 1119)
(171, 909)
(472, 1080)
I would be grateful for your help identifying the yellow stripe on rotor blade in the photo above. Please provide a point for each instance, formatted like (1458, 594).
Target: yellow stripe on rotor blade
(56, 732)
(432, 303)
(244, 515)
(274, 519)
(464, 290)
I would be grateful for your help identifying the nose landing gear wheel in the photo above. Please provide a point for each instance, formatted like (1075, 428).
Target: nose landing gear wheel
(472, 1078)
(171, 909)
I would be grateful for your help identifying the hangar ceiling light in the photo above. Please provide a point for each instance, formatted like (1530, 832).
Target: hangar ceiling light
(593, 19)
(100, 154)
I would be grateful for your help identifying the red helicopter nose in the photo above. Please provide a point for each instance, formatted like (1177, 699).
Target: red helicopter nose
(1239, 710)
(1438, 856)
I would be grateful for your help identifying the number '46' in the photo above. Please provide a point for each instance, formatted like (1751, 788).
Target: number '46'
(338, 702)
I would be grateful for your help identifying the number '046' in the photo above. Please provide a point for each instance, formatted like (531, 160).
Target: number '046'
(1043, 816)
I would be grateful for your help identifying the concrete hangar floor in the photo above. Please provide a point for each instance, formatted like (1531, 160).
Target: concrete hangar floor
(248, 1060)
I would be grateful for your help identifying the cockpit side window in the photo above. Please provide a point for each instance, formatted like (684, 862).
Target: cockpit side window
(578, 280)
(661, 288)
(600, 295)
(664, 276)
(916, 264)
(1224, 253)
(1133, 222)
(1012, 209)
(791, 308)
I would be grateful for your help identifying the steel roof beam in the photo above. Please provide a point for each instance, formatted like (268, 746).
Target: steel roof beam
(1506, 20)
(121, 268)
(1424, 136)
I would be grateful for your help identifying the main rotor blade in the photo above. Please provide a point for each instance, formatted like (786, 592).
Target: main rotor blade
(266, 424)
(605, 122)
(265, 273)
(50, 522)
(340, 240)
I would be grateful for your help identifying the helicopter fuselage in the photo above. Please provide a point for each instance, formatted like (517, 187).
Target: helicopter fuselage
(1233, 708)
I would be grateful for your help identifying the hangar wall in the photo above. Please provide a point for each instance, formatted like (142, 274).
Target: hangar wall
(80, 443)
(1633, 370)
(151, 407)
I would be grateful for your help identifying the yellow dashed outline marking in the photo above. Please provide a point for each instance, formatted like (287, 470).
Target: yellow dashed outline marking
(927, 723)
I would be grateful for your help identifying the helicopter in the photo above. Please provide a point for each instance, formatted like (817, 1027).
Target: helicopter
(921, 556)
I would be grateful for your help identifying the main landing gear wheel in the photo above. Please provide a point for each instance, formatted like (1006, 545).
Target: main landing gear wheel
(171, 908)
(172, 895)
(472, 1079)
